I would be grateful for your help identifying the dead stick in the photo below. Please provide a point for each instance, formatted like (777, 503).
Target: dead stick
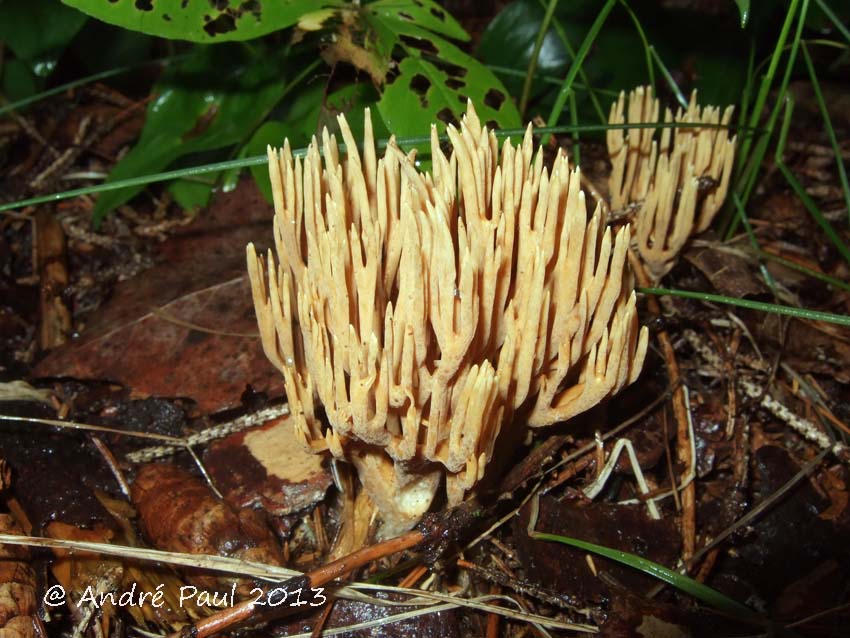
(434, 531)
(492, 630)
(680, 412)
(259, 610)
(413, 577)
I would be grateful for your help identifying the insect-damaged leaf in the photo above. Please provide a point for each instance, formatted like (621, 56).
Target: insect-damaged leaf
(403, 45)
(425, 91)
(367, 36)
(201, 21)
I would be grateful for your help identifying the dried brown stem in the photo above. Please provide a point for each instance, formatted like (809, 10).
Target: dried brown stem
(431, 537)
(413, 577)
(249, 610)
(680, 412)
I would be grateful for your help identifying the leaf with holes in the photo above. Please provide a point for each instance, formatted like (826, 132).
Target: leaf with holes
(425, 14)
(204, 20)
(368, 36)
(434, 78)
(426, 91)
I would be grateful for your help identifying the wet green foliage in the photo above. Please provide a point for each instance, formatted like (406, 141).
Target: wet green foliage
(243, 74)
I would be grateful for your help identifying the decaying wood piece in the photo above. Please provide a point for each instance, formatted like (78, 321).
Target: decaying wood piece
(663, 177)
(178, 512)
(267, 468)
(53, 275)
(17, 579)
(420, 311)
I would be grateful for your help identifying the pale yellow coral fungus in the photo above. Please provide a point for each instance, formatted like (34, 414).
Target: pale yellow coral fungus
(420, 312)
(661, 177)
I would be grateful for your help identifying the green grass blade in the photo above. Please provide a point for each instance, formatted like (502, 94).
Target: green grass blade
(683, 583)
(584, 49)
(668, 77)
(748, 87)
(836, 22)
(562, 34)
(642, 35)
(808, 202)
(535, 54)
(747, 182)
(258, 160)
(744, 10)
(830, 131)
(767, 80)
(793, 265)
(574, 122)
(788, 311)
(728, 214)
(141, 180)
(763, 255)
(551, 79)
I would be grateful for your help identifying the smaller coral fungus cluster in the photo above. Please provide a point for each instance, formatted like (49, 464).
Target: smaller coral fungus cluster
(678, 182)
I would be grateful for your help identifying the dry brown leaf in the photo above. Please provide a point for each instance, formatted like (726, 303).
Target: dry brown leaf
(144, 336)
(18, 593)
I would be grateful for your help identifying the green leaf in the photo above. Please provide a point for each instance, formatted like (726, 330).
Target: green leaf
(190, 194)
(403, 46)
(125, 48)
(212, 100)
(435, 77)
(298, 124)
(308, 113)
(508, 42)
(421, 95)
(616, 60)
(351, 100)
(269, 134)
(684, 583)
(17, 81)
(425, 14)
(38, 31)
(201, 20)
(744, 10)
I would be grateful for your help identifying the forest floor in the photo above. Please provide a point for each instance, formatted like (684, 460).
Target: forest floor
(144, 332)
